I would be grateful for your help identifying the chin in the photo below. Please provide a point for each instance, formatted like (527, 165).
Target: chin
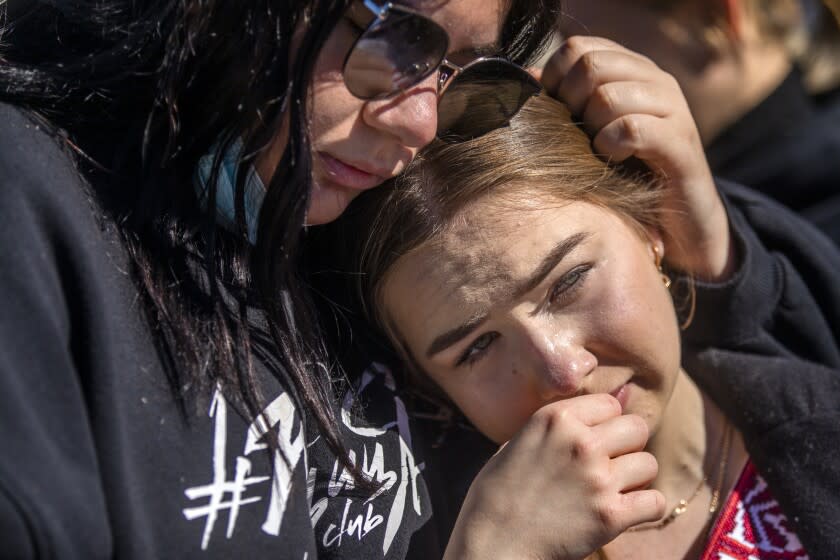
(327, 204)
(651, 413)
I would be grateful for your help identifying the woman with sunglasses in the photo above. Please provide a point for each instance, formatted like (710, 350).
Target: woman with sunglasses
(165, 387)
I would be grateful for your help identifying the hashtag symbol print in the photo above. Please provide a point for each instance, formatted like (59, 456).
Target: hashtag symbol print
(222, 494)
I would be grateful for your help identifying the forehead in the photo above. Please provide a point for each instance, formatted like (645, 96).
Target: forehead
(471, 267)
(468, 22)
(486, 247)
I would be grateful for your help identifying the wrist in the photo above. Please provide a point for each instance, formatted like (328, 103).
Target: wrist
(721, 261)
(707, 251)
(477, 536)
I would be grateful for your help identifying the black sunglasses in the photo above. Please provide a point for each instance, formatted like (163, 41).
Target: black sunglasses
(400, 48)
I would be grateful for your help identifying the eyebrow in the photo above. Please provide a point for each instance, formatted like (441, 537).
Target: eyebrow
(450, 337)
(547, 264)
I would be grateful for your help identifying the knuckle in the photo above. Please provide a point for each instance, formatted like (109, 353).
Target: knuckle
(631, 130)
(605, 97)
(552, 417)
(588, 68)
(585, 447)
(599, 480)
(609, 514)
(574, 46)
(541, 419)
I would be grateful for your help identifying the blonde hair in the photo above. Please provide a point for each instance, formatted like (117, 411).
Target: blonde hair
(542, 153)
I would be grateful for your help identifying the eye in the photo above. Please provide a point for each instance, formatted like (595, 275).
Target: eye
(568, 285)
(476, 349)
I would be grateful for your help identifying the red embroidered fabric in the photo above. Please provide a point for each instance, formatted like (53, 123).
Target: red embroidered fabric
(751, 525)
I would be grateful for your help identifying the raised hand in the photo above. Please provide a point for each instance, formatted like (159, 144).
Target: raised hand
(632, 108)
(569, 482)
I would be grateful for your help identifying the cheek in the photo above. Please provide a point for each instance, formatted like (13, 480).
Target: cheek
(497, 405)
(333, 112)
(639, 319)
(333, 109)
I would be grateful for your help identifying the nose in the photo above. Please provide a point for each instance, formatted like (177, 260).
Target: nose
(410, 116)
(559, 363)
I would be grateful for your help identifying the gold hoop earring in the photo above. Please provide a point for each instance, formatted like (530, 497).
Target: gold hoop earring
(692, 305)
(657, 256)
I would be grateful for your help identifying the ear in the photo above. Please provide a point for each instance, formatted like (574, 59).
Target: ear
(656, 245)
(732, 12)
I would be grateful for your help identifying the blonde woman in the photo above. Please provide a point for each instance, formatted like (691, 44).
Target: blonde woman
(526, 282)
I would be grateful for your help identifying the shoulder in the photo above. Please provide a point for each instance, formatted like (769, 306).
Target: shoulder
(55, 248)
(38, 175)
(47, 208)
(28, 149)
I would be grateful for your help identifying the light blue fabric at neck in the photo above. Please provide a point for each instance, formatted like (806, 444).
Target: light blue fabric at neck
(225, 209)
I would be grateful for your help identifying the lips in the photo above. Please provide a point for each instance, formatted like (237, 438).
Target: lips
(622, 393)
(350, 176)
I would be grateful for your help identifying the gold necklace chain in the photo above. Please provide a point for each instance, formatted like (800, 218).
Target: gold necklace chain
(726, 447)
(678, 510)
(682, 505)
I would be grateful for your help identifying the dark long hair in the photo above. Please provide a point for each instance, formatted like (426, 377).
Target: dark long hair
(139, 91)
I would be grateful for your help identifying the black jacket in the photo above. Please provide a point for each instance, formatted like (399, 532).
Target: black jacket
(97, 460)
(773, 363)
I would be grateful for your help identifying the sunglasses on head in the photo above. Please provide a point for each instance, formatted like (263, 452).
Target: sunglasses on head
(399, 48)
